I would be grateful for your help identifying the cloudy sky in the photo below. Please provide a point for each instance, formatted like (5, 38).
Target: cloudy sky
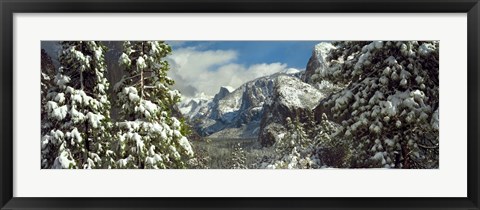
(204, 67)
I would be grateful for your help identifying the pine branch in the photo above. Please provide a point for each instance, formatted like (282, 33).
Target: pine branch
(428, 147)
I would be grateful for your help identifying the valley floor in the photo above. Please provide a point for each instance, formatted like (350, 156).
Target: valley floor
(219, 152)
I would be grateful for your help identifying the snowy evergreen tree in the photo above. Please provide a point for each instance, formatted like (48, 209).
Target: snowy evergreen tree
(295, 149)
(149, 136)
(388, 108)
(200, 160)
(331, 149)
(46, 82)
(238, 157)
(295, 138)
(78, 110)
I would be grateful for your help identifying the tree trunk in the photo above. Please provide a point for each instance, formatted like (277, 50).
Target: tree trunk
(141, 75)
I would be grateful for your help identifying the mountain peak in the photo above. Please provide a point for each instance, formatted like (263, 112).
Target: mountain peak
(229, 88)
(224, 91)
(317, 60)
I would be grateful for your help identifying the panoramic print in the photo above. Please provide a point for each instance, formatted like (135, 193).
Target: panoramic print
(239, 104)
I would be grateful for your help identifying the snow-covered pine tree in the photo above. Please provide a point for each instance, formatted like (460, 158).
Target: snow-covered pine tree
(295, 149)
(46, 81)
(201, 158)
(295, 138)
(238, 157)
(389, 106)
(149, 136)
(78, 110)
(331, 149)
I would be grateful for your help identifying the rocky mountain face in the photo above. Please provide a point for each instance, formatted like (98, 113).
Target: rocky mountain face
(317, 61)
(291, 98)
(256, 109)
(317, 65)
(231, 113)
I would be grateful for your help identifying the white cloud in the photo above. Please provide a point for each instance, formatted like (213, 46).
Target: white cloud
(198, 71)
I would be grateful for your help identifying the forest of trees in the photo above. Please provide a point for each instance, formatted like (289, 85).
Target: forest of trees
(77, 131)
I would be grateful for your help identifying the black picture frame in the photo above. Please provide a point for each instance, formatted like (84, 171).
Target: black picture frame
(10, 7)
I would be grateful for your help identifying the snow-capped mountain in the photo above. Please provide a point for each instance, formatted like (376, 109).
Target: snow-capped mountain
(232, 113)
(195, 107)
(241, 113)
(317, 61)
(292, 98)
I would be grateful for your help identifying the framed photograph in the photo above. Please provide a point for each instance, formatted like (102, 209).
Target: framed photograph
(239, 105)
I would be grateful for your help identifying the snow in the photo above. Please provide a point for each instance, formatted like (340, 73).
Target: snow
(122, 163)
(231, 102)
(163, 134)
(80, 97)
(405, 74)
(294, 93)
(100, 88)
(291, 71)
(324, 84)
(76, 136)
(45, 141)
(141, 63)
(57, 134)
(343, 99)
(390, 142)
(98, 53)
(172, 94)
(425, 49)
(95, 119)
(410, 102)
(362, 61)
(372, 46)
(63, 161)
(59, 113)
(61, 80)
(146, 107)
(124, 60)
(60, 98)
(322, 49)
(176, 123)
(78, 55)
(387, 71)
(229, 88)
(391, 61)
(383, 80)
(418, 95)
(174, 152)
(154, 48)
(193, 107)
(378, 44)
(186, 145)
(379, 156)
(132, 93)
(177, 133)
(389, 109)
(138, 141)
